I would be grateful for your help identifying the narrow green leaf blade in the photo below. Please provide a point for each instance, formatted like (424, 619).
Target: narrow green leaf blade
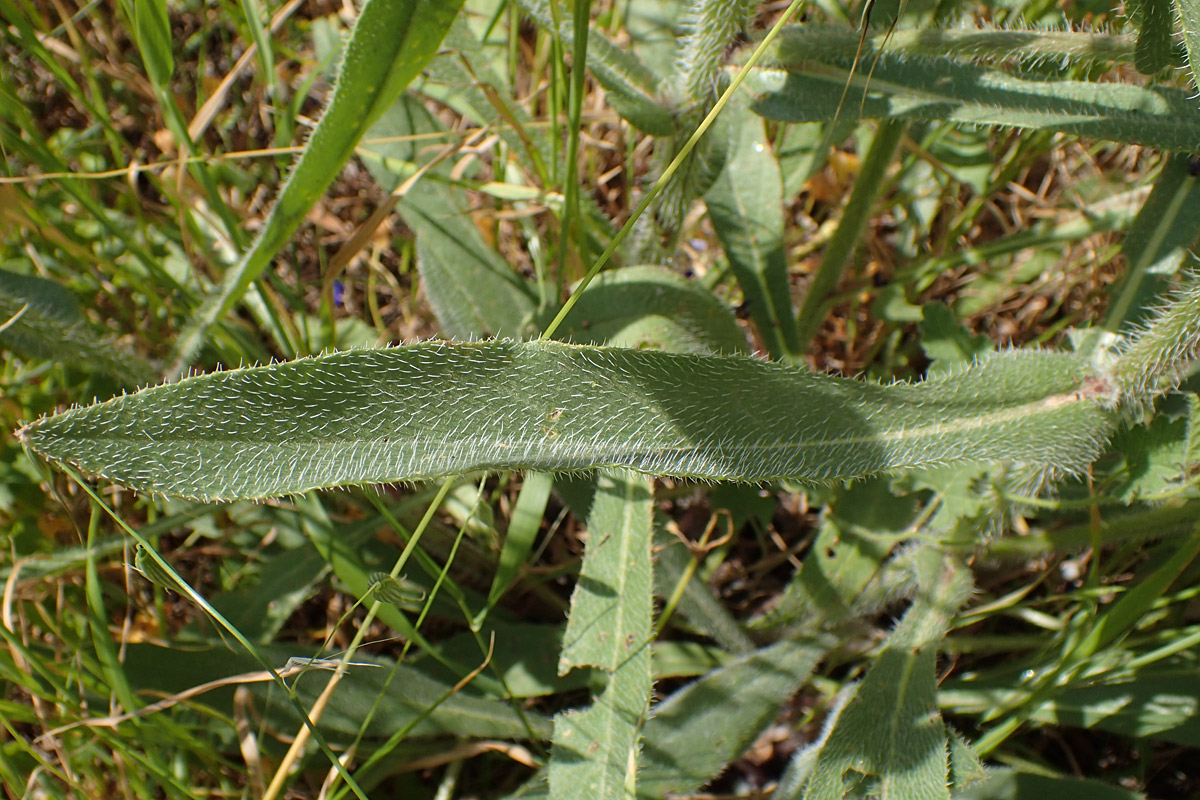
(436, 408)
(522, 532)
(692, 736)
(595, 751)
(610, 609)
(745, 205)
(391, 43)
(154, 40)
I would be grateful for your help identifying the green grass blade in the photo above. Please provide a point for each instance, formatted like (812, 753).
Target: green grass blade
(595, 750)
(106, 649)
(523, 528)
(254, 13)
(1126, 613)
(153, 32)
(391, 43)
(800, 88)
(745, 205)
(433, 409)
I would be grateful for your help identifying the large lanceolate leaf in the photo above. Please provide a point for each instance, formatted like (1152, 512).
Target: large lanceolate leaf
(392, 42)
(436, 408)
(807, 81)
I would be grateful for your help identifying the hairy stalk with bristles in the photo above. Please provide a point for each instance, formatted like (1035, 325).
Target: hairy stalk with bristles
(1156, 358)
(709, 28)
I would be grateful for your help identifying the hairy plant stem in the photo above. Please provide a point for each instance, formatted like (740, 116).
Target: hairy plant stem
(1156, 358)
(710, 27)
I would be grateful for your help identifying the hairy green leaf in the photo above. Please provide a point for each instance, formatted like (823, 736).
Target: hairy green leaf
(697, 731)
(436, 408)
(610, 609)
(806, 85)
(41, 319)
(890, 729)
(652, 307)
(986, 45)
(1155, 49)
(595, 750)
(1189, 22)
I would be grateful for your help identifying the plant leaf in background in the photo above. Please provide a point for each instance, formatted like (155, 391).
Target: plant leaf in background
(890, 731)
(426, 410)
(806, 80)
(631, 87)
(1010, 784)
(595, 751)
(1155, 46)
(391, 43)
(697, 731)
(1156, 244)
(745, 205)
(39, 318)
(473, 291)
(652, 307)
(1189, 18)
